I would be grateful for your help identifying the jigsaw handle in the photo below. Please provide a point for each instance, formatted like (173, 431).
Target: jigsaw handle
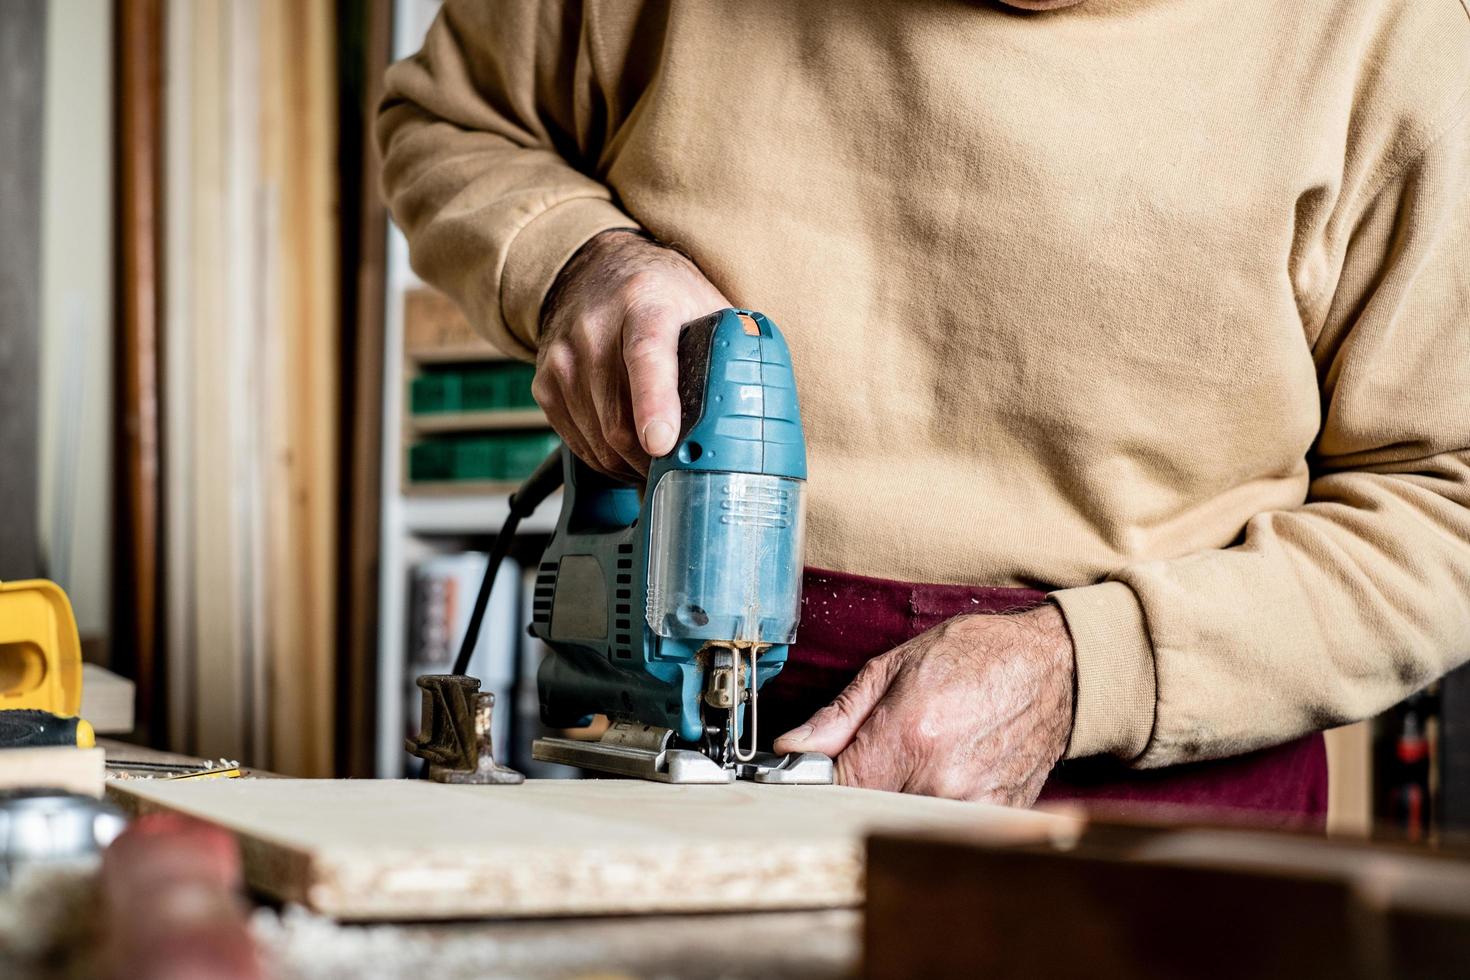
(737, 395)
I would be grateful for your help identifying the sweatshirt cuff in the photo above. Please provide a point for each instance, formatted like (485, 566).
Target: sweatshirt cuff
(1116, 688)
(538, 252)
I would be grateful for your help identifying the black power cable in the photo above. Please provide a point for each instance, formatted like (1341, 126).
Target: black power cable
(538, 486)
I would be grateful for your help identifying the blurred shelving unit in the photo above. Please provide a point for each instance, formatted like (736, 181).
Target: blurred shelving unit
(426, 336)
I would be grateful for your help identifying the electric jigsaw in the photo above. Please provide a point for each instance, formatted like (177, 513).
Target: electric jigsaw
(665, 607)
(667, 610)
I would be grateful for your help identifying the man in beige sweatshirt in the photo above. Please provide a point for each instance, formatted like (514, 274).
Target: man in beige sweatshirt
(1159, 306)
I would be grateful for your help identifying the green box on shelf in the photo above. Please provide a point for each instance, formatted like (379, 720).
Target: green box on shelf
(430, 460)
(434, 392)
(523, 455)
(483, 390)
(473, 388)
(518, 386)
(499, 456)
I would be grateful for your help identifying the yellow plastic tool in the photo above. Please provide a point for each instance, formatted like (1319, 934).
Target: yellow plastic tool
(40, 651)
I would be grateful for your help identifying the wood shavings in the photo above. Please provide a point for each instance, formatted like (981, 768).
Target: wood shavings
(126, 770)
(297, 944)
(49, 930)
(300, 945)
(48, 919)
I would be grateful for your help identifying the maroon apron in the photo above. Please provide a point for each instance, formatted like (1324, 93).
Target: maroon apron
(846, 620)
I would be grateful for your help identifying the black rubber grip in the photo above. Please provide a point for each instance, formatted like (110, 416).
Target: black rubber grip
(29, 727)
(696, 338)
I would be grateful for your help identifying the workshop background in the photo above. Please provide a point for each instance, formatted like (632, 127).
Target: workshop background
(260, 456)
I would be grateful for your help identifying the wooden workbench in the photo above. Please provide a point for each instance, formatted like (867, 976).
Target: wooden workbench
(1410, 902)
(794, 944)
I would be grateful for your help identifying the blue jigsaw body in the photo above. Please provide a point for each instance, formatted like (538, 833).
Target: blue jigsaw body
(634, 585)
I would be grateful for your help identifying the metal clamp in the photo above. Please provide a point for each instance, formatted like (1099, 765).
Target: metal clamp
(454, 738)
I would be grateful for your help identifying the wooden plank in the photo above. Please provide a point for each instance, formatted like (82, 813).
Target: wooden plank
(22, 84)
(252, 368)
(302, 331)
(435, 329)
(364, 42)
(219, 645)
(176, 343)
(53, 767)
(212, 379)
(137, 573)
(489, 421)
(1350, 780)
(459, 488)
(248, 288)
(410, 849)
(107, 700)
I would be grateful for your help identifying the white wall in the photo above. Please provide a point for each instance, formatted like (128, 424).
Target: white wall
(76, 306)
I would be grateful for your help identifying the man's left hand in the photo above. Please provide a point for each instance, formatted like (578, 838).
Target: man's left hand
(977, 708)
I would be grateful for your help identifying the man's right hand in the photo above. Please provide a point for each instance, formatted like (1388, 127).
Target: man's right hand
(607, 367)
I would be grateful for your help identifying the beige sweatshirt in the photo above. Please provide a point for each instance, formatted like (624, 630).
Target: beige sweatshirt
(1162, 304)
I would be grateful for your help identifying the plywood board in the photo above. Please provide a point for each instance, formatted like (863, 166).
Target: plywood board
(251, 370)
(107, 700)
(405, 849)
(53, 767)
(1350, 780)
(210, 398)
(301, 329)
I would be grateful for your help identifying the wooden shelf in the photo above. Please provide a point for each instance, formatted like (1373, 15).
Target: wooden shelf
(470, 507)
(435, 331)
(434, 422)
(459, 488)
(448, 355)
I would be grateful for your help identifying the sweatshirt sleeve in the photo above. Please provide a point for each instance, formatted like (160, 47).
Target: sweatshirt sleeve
(1332, 611)
(489, 135)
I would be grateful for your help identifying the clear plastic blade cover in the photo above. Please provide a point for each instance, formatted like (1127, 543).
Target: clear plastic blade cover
(725, 556)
